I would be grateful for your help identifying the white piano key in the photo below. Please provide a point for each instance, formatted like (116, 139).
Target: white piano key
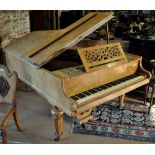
(109, 89)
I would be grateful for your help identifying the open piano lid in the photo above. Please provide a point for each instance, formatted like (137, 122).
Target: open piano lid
(39, 47)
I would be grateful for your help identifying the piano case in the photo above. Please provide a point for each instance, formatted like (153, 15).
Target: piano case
(29, 55)
(43, 60)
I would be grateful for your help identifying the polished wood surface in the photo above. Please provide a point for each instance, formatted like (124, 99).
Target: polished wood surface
(58, 85)
(95, 57)
(39, 53)
(109, 97)
(57, 89)
(58, 36)
(57, 115)
(86, 81)
(121, 100)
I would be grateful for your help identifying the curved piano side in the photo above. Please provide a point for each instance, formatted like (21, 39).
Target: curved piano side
(42, 81)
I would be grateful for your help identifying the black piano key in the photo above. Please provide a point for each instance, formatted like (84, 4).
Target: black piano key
(86, 93)
(118, 82)
(106, 85)
(98, 89)
(123, 80)
(80, 96)
(83, 94)
(128, 78)
(109, 85)
(113, 83)
(75, 98)
(103, 87)
(92, 91)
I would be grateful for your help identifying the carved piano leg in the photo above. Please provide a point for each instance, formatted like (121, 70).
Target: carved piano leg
(151, 99)
(4, 137)
(121, 100)
(57, 116)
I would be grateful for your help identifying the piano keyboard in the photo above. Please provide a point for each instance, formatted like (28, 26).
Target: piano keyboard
(107, 88)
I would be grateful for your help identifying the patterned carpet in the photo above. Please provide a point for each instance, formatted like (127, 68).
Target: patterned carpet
(131, 122)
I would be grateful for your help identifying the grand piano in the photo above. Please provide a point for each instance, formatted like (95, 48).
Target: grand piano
(75, 81)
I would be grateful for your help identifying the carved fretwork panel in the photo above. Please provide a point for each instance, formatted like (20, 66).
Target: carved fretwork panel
(100, 55)
(4, 86)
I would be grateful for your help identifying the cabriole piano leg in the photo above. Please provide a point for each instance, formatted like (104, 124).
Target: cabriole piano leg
(121, 100)
(57, 116)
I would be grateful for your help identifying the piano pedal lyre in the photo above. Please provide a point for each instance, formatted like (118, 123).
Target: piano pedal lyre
(82, 118)
(57, 116)
(83, 114)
